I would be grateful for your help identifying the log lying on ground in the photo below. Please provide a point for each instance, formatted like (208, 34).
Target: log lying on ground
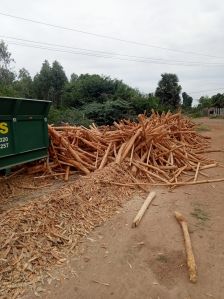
(163, 184)
(160, 148)
(143, 209)
(189, 251)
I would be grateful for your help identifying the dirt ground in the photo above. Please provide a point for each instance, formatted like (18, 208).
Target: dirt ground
(117, 261)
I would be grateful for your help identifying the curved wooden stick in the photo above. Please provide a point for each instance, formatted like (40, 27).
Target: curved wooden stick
(189, 251)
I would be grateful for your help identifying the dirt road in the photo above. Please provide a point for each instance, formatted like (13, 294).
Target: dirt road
(117, 261)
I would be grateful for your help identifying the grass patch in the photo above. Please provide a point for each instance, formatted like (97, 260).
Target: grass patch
(217, 117)
(195, 114)
(200, 215)
(203, 128)
(162, 258)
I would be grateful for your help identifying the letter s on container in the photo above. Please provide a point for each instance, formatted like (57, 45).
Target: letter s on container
(4, 128)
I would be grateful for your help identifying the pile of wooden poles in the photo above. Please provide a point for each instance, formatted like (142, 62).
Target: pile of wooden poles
(161, 148)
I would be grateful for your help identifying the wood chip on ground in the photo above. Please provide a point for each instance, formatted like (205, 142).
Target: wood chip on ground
(39, 234)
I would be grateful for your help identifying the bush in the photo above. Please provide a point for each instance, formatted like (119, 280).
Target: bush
(108, 112)
(68, 115)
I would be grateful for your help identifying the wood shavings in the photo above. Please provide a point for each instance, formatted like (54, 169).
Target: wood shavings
(39, 234)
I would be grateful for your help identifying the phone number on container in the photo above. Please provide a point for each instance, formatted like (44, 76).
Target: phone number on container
(4, 145)
(4, 139)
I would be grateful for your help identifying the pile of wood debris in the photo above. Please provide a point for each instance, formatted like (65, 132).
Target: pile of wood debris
(43, 232)
(160, 148)
(40, 233)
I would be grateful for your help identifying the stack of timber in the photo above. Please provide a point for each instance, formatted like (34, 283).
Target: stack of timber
(161, 148)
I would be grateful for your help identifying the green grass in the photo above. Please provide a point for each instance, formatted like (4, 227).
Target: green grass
(195, 114)
(217, 117)
(162, 258)
(202, 128)
(199, 214)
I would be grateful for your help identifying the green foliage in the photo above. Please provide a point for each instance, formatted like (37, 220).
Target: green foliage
(218, 100)
(24, 85)
(168, 91)
(95, 98)
(6, 75)
(205, 102)
(82, 100)
(68, 115)
(42, 82)
(200, 215)
(202, 128)
(7, 90)
(105, 100)
(5, 56)
(214, 101)
(49, 84)
(142, 104)
(88, 88)
(58, 81)
(194, 112)
(107, 112)
(187, 101)
(73, 78)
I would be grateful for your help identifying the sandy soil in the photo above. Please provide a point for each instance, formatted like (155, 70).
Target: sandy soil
(117, 261)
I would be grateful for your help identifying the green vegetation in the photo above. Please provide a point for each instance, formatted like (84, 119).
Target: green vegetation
(88, 98)
(168, 91)
(199, 214)
(81, 100)
(217, 116)
(202, 128)
(162, 258)
(214, 101)
(187, 101)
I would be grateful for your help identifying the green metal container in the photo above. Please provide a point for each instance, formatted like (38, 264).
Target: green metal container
(23, 131)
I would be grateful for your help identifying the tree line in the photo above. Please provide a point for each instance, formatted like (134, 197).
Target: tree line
(213, 101)
(85, 98)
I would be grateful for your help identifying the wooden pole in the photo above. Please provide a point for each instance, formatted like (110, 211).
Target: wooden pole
(67, 173)
(143, 209)
(164, 184)
(196, 173)
(104, 161)
(188, 247)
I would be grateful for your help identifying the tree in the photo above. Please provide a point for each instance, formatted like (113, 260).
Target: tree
(168, 91)
(49, 84)
(6, 75)
(107, 112)
(218, 100)
(58, 81)
(145, 103)
(89, 88)
(42, 82)
(73, 77)
(24, 84)
(187, 100)
(5, 56)
(205, 102)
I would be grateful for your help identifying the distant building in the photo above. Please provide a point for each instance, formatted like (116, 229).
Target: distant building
(214, 111)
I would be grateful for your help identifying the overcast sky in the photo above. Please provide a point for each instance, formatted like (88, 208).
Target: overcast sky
(192, 26)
